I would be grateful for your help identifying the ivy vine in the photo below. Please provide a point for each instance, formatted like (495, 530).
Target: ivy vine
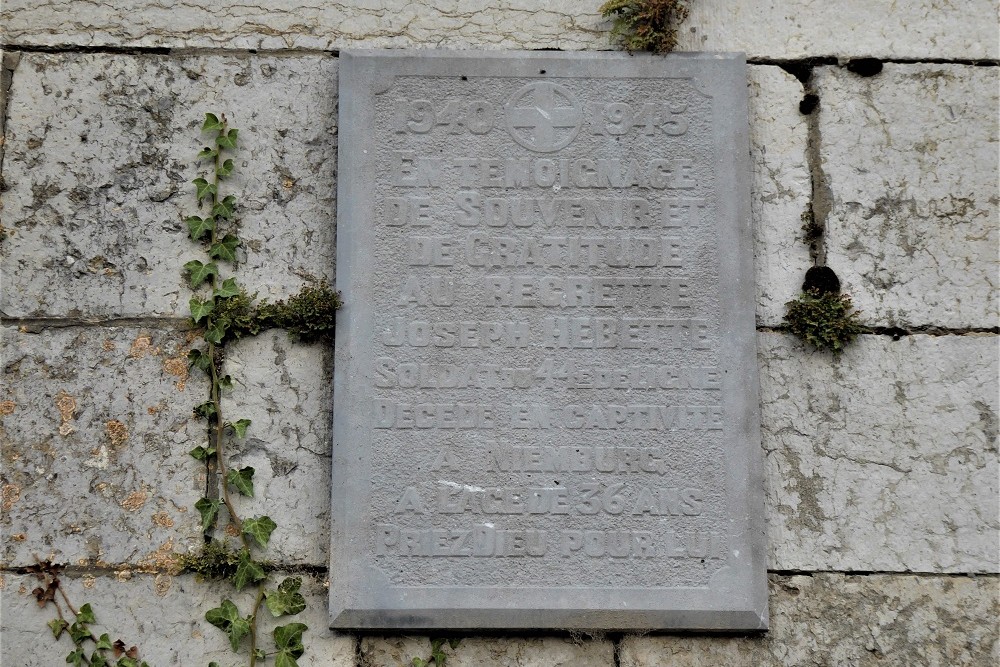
(227, 312)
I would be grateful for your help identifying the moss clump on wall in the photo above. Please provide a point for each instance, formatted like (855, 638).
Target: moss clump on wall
(646, 25)
(309, 315)
(825, 320)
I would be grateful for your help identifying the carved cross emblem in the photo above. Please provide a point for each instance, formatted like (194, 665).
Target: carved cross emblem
(543, 116)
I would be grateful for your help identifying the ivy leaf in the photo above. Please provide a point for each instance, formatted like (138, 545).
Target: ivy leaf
(200, 309)
(242, 480)
(199, 359)
(198, 226)
(212, 122)
(206, 410)
(227, 140)
(260, 529)
(240, 427)
(86, 614)
(225, 249)
(288, 641)
(207, 153)
(203, 188)
(287, 600)
(104, 642)
(209, 510)
(78, 632)
(57, 625)
(199, 272)
(202, 453)
(76, 658)
(227, 618)
(227, 289)
(225, 208)
(419, 662)
(217, 331)
(225, 169)
(98, 660)
(248, 571)
(226, 382)
(126, 662)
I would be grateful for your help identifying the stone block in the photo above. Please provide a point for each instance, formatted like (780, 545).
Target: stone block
(792, 29)
(884, 459)
(99, 161)
(163, 616)
(490, 652)
(910, 161)
(862, 621)
(780, 189)
(780, 30)
(96, 423)
(286, 389)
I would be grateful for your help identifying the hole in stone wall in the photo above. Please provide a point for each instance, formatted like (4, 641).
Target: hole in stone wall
(808, 104)
(864, 66)
(821, 279)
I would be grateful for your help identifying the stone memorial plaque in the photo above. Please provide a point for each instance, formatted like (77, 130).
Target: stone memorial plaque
(546, 396)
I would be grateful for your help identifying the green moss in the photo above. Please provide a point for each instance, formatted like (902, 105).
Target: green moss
(646, 25)
(825, 321)
(215, 561)
(240, 314)
(309, 315)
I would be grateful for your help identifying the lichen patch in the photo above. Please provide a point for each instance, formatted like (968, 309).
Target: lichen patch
(178, 367)
(7, 407)
(141, 346)
(66, 405)
(163, 520)
(117, 432)
(134, 501)
(9, 495)
(161, 584)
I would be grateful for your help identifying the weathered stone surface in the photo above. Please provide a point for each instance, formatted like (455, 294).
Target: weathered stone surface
(99, 158)
(862, 621)
(788, 29)
(780, 189)
(499, 652)
(910, 160)
(164, 616)
(884, 459)
(805, 28)
(96, 423)
(285, 388)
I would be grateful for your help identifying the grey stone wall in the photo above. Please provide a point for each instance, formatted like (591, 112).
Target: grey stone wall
(882, 465)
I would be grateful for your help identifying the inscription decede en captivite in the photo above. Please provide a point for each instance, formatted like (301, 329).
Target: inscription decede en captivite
(546, 393)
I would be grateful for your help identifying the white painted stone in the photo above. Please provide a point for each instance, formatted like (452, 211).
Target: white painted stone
(286, 389)
(910, 157)
(769, 29)
(164, 616)
(495, 652)
(780, 189)
(99, 158)
(861, 621)
(96, 423)
(884, 459)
